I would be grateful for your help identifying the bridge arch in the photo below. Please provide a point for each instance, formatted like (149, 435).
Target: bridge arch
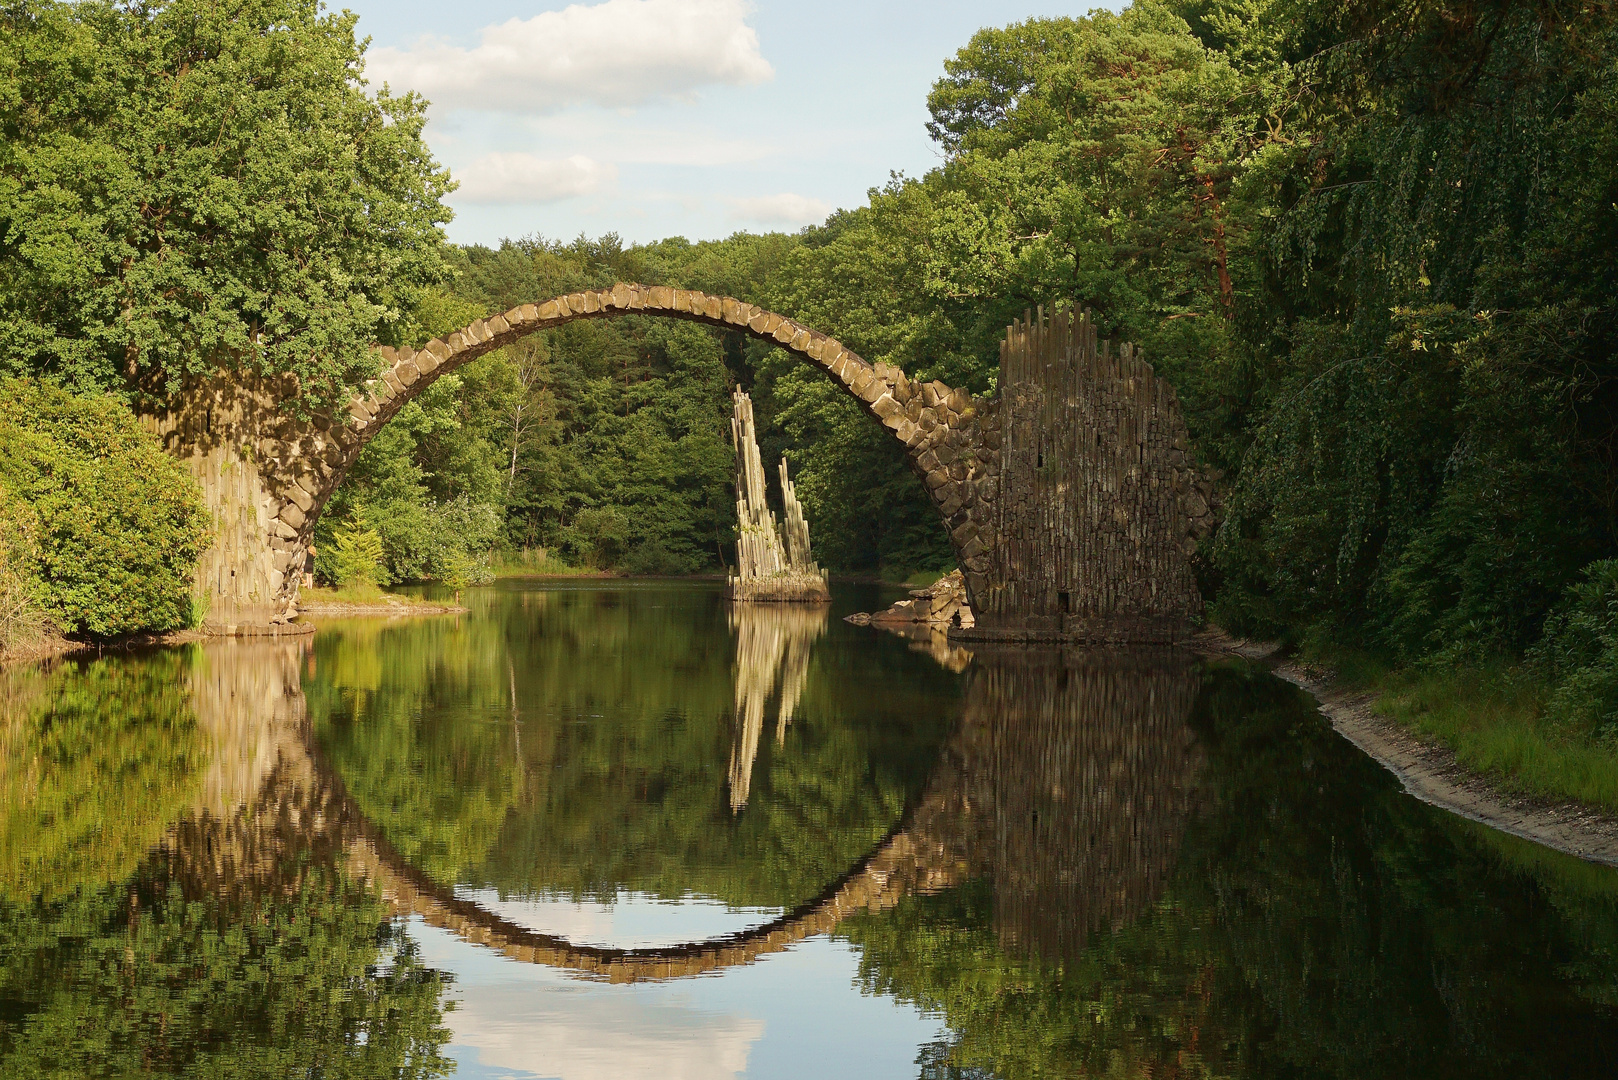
(1071, 497)
(268, 498)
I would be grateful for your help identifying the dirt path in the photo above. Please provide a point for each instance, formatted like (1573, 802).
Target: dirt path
(1430, 772)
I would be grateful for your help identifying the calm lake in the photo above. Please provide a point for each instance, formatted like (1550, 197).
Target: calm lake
(624, 830)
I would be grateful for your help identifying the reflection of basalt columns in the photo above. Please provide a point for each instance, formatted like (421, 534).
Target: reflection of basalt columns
(765, 568)
(1083, 772)
(772, 649)
(265, 819)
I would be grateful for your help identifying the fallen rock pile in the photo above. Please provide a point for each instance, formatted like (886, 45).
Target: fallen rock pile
(944, 604)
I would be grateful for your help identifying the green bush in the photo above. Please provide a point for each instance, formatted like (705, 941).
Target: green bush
(425, 541)
(22, 603)
(120, 523)
(1579, 654)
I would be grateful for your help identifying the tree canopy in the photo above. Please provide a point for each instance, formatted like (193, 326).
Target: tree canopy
(186, 186)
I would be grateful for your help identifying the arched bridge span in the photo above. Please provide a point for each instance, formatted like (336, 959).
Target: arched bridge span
(1069, 497)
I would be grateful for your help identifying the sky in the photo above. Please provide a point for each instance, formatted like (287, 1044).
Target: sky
(658, 118)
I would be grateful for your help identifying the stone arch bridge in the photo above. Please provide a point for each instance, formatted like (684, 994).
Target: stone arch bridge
(1070, 497)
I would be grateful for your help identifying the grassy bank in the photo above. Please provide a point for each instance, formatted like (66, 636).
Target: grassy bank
(358, 594)
(540, 562)
(1495, 719)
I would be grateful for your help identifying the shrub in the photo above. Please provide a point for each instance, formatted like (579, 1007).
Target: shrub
(448, 541)
(120, 523)
(22, 603)
(1578, 652)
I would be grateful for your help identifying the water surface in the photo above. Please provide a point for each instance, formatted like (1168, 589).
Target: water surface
(624, 830)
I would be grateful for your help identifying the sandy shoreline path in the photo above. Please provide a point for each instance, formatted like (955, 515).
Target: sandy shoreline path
(1430, 772)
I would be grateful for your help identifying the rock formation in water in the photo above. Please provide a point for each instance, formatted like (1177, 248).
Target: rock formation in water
(767, 569)
(942, 604)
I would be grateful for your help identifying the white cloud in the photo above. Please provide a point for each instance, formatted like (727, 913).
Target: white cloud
(783, 209)
(578, 1037)
(507, 178)
(618, 53)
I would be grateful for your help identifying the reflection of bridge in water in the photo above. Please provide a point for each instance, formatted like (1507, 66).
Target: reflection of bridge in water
(1069, 784)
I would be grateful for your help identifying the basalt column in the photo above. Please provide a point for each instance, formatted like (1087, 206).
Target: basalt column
(1096, 507)
(264, 475)
(767, 569)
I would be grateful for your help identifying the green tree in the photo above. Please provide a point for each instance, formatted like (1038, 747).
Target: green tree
(186, 185)
(119, 523)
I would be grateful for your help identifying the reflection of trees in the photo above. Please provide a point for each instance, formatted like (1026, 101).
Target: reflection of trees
(772, 649)
(614, 774)
(237, 946)
(1316, 922)
(96, 759)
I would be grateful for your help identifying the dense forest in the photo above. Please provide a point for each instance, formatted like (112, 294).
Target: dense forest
(1371, 243)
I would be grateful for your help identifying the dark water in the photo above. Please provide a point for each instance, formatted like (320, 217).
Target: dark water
(622, 832)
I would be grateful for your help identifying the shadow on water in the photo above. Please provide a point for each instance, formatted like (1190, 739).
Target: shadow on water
(1096, 863)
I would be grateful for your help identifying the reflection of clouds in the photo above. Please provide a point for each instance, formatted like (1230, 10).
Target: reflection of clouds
(582, 1036)
(631, 921)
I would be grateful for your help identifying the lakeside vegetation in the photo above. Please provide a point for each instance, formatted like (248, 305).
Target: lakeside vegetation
(1371, 243)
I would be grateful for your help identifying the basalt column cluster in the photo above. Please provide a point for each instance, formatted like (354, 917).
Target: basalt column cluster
(767, 569)
(1096, 504)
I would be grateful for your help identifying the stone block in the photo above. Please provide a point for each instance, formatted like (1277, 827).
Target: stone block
(552, 309)
(962, 534)
(874, 389)
(407, 373)
(758, 322)
(388, 355)
(772, 322)
(785, 332)
(293, 516)
(395, 383)
(457, 342)
(360, 411)
(906, 431)
(710, 307)
(660, 297)
(888, 409)
(950, 504)
(927, 462)
(731, 311)
(800, 340)
(859, 382)
(498, 325)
